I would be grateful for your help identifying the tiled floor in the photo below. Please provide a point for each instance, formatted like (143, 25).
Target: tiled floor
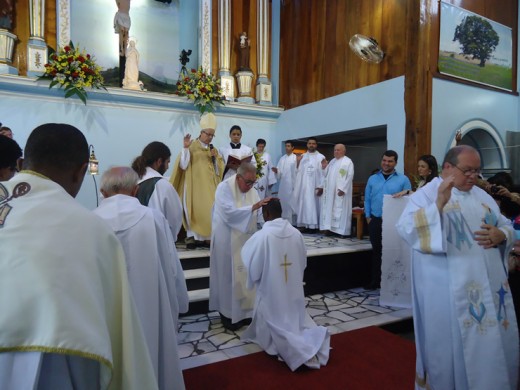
(203, 340)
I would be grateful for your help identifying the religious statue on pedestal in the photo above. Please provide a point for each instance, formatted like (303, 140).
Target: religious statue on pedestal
(245, 74)
(131, 80)
(244, 47)
(7, 38)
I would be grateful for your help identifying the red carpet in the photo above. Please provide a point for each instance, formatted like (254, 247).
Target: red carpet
(368, 358)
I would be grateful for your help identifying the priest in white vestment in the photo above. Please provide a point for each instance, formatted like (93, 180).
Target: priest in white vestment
(286, 174)
(466, 334)
(308, 187)
(235, 148)
(150, 262)
(155, 190)
(275, 259)
(68, 318)
(234, 220)
(336, 201)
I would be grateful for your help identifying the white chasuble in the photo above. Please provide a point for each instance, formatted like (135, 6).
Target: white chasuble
(336, 210)
(305, 202)
(286, 176)
(233, 223)
(275, 258)
(466, 330)
(64, 285)
(150, 262)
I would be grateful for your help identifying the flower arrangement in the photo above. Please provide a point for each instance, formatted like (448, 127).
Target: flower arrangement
(260, 163)
(73, 70)
(203, 88)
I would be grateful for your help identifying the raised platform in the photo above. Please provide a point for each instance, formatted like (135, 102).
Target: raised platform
(333, 264)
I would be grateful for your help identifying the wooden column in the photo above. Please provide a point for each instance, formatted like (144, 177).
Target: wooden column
(418, 82)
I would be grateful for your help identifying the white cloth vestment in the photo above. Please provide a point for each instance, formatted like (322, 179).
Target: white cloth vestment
(305, 202)
(64, 288)
(150, 262)
(275, 258)
(233, 223)
(336, 211)
(165, 199)
(466, 333)
(286, 177)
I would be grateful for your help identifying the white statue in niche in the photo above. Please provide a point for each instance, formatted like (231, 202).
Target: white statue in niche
(131, 80)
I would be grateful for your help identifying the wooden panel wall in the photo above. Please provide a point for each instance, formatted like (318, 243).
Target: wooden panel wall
(243, 18)
(316, 61)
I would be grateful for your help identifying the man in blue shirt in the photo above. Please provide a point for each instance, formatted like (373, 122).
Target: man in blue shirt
(386, 181)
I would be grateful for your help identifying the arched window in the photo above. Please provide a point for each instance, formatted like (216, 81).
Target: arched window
(485, 138)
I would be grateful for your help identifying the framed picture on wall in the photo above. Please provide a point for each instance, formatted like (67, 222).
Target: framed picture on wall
(475, 48)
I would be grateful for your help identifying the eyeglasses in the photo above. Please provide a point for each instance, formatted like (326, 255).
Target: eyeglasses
(469, 172)
(249, 183)
(208, 134)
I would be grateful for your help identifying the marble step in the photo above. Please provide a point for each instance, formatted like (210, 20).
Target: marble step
(198, 295)
(196, 273)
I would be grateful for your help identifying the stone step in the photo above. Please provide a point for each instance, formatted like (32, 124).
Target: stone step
(196, 273)
(198, 295)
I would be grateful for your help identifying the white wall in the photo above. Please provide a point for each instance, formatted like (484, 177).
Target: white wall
(454, 104)
(375, 105)
(119, 124)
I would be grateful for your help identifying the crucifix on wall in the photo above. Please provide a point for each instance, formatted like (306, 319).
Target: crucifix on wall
(122, 25)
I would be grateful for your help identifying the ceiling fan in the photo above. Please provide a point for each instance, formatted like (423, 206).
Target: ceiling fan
(366, 48)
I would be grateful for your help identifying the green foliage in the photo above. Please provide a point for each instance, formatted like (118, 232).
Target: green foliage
(477, 38)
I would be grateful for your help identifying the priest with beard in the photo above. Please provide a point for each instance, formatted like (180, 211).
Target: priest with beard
(234, 220)
(155, 191)
(151, 263)
(275, 259)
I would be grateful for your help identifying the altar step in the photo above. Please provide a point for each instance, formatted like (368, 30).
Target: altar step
(195, 264)
(333, 264)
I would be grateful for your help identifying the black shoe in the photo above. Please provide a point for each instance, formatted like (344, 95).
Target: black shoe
(190, 243)
(226, 323)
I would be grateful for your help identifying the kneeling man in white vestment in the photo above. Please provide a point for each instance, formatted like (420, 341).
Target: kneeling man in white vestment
(466, 335)
(150, 262)
(67, 319)
(275, 259)
(234, 220)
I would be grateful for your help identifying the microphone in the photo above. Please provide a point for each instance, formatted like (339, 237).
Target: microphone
(212, 157)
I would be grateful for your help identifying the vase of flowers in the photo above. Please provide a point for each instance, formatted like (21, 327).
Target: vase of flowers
(73, 70)
(201, 87)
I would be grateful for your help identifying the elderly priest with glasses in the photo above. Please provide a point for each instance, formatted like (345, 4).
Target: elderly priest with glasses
(466, 334)
(234, 221)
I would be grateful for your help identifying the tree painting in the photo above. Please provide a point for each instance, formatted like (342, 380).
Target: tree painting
(477, 38)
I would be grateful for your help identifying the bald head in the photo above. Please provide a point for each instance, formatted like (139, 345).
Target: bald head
(339, 151)
(119, 180)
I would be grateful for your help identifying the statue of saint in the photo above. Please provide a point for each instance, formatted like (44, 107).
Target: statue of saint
(7, 14)
(131, 80)
(244, 46)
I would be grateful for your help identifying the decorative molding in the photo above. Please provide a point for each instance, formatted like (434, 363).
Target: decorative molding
(63, 22)
(263, 38)
(37, 90)
(205, 35)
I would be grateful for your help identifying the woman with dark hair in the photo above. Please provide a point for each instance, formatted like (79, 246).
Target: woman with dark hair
(427, 169)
